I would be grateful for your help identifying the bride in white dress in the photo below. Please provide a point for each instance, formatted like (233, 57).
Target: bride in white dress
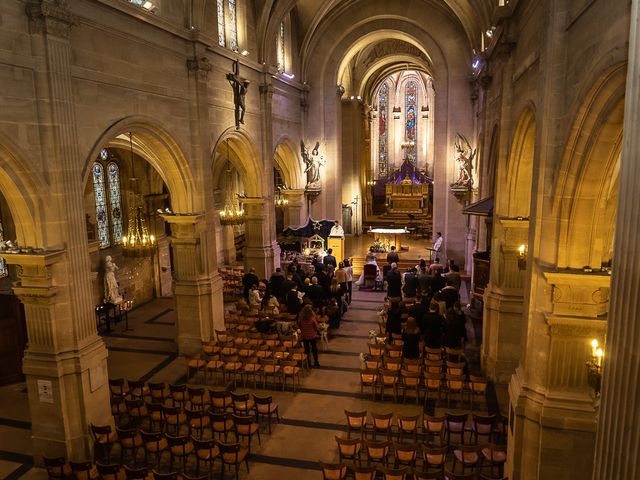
(370, 259)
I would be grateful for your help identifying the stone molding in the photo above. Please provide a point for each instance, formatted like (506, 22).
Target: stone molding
(579, 294)
(52, 17)
(200, 66)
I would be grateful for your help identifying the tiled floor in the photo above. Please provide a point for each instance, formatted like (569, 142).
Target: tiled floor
(311, 417)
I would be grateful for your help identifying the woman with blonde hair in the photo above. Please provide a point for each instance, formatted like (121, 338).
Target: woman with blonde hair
(308, 325)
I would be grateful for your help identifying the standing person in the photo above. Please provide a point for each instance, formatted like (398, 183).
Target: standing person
(349, 269)
(434, 326)
(437, 245)
(308, 324)
(392, 256)
(275, 282)
(411, 338)
(336, 230)
(341, 277)
(455, 335)
(394, 282)
(248, 280)
(329, 259)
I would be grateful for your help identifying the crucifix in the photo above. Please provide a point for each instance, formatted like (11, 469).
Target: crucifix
(240, 86)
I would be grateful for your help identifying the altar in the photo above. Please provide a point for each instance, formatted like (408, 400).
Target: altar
(408, 191)
(389, 237)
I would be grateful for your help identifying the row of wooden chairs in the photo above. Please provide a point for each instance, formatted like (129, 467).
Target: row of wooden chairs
(339, 471)
(388, 453)
(488, 428)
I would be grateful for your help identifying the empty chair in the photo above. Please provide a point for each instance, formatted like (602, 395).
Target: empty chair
(455, 368)
(396, 474)
(206, 451)
(132, 473)
(432, 383)
(382, 422)
(433, 354)
(482, 427)
(369, 379)
(245, 427)
(433, 366)
(243, 404)
(356, 421)
(221, 424)
(173, 417)
(196, 364)
(406, 455)
(110, 471)
(159, 392)
(495, 456)
(477, 388)
(137, 409)
(455, 385)
(434, 457)
(84, 470)
(363, 472)
(164, 476)
(428, 475)
(232, 454)
(377, 452)
(220, 399)
(57, 467)
(251, 368)
(349, 449)
(408, 425)
(265, 407)
(197, 397)
(155, 416)
(373, 362)
(117, 387)
(270, 368)
(197, 421)
(376, 349)
(389, 379)
(138, 388)
(154, 444)
(410, 381)
(179, 447)
(290, 369)
(103, 439)
(130, 441)
(333, 471)
(468, 456)
(434, 427)
(178, 394)
(454, 424)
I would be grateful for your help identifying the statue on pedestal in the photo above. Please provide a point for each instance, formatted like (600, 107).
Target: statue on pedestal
(312, 162)
(111, 289)
(464, 158)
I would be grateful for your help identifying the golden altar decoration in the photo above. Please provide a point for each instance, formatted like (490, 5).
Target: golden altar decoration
(407, 190)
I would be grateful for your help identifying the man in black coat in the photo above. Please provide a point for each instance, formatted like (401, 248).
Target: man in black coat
(275, 282)
(329, 259)
(316, 293)
(449, 295)
(410, 288)
(248, 280)
(394, 282)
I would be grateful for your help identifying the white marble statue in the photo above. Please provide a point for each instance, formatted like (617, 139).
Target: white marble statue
(111, 290)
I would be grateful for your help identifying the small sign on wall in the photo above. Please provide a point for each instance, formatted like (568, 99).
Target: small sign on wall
(45, 391)
(96, 377)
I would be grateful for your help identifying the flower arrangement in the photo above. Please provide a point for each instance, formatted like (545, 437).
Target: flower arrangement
(372, 334)
(363, 359)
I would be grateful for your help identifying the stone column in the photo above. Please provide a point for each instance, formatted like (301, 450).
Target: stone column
(66, 379)
(259, 251)
(553, 419)
(196, 288)
(617, 441)
(503, 301)
(294, 212)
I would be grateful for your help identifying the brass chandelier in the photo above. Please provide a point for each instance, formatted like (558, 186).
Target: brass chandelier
(138, 242)
(231, 214)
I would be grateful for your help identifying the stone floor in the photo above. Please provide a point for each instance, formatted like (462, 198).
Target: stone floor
(311, 417)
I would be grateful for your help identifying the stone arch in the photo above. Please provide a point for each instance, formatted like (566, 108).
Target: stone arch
(243, 156)
(288, 162)
(157, 146)
(586, 190)
(519, 168)
(24, 192)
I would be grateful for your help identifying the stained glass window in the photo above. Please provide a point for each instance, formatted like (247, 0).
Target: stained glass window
(233, 25)
(411, 125)
(114, 200)
(102, 218)
(221, 36)
(280, 48)
(383, 107)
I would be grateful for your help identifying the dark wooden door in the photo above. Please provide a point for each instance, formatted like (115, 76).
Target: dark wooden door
(13, 338)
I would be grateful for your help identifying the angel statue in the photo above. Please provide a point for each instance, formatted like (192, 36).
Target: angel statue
(111, 290)
(312, 162)
(464, 157)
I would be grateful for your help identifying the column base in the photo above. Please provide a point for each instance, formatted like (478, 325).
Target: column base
(67, 392)
(551, 434)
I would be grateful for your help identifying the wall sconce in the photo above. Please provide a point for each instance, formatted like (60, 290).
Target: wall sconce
(396, 113)
(371, 183)
(425, 111)
(594, 367)
(522, 257)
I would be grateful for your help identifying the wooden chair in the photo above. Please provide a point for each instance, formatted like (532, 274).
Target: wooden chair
(481, 426)
(428, 475)
(265, 407)
(369, 378)
(455, 385)
(215, 365)
(137, 410)
(154, 443)
(410, 381)
(377, 452)
(495, 456)
(363, 472)
(408, 425)
(455, 368)
(242, 404)
(232, 454)
(382, 422)
(132, 473)
(117, 387)
(113, 471)
(197, 397)
(173, 417)
(455, 476)
(233, 369)
(467, 455)
(155, 416)
(179, 447)
(178, 394)
(333, 471)
(406, 455)
(205, 451)
(270, 368)
(433, 367)
(244, 426)
(221, 424)
(164, 476)
(376, 349)
(57, 468)
(196, 364)
(130, 441)
(138, 388)
(84, 470)
(434, 457)
(374, 362)
(433, 354)
(220, 399)
(197, 421)
(388, 379)
(290, 369)
(103, 439)
(396, 474)
(434, 427)
(251, 367)
(477, 388)
(159, 392)
(356, 421)
(370, 274)
(454, 423)
(349, 449)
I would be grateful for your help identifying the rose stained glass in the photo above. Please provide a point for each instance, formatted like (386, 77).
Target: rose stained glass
(411, 126)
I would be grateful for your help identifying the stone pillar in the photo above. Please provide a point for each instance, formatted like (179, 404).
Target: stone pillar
(294, 212)
(66, 378)
(617, 442)
(259, 251)
(228, 244)
(197, 287)
(553, 421)
(503, 301)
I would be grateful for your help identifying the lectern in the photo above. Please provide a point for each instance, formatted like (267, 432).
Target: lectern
(337, 245)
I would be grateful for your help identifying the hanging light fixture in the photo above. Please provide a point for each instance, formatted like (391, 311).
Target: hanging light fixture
(230, 215)
(138, 242)
(280, 200)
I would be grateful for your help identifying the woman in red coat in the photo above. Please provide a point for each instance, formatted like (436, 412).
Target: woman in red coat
(308, 325)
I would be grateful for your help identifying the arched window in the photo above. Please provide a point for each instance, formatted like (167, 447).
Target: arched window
(281, 48)
(383, 106)
(108, 203)
(411, 123)
(227, 23)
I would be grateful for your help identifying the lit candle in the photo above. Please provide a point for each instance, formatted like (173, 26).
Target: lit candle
(599, 355)
(594, 347)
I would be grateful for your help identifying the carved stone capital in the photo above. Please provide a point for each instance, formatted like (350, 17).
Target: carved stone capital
(200, 66)
(579, 294)
(52, 17)
(266, 89)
